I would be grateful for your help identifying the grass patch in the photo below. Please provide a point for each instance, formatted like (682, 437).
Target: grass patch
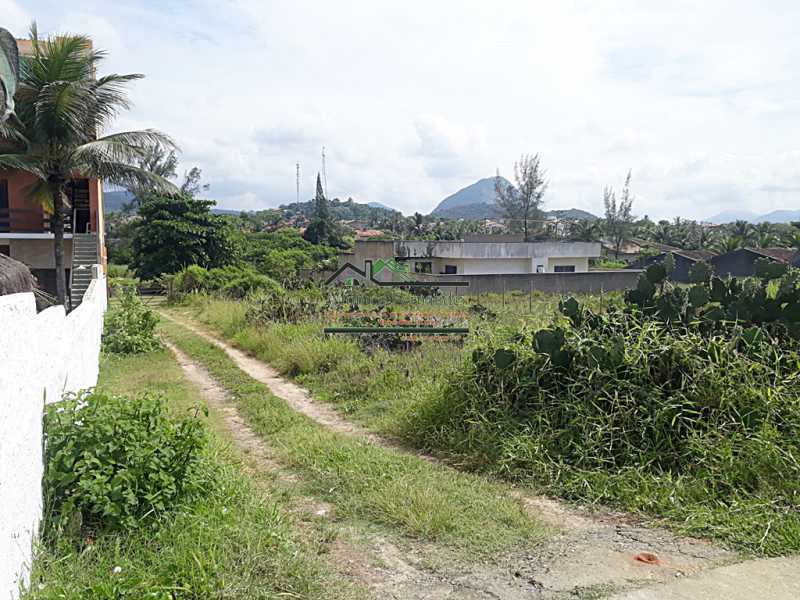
(236, 541)
(739, 490)
(366, 482)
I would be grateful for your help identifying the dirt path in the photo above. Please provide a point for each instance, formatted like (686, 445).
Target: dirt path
(591, 555)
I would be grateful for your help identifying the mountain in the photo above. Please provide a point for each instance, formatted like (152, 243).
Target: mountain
(379, 205)
(480, 192)
(478, 210)
(776, 216)
(572, 214)
(779, 216)
(116, 200)
(729, 216)
(476, 201)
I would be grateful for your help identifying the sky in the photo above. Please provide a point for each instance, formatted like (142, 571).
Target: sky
(414, 100)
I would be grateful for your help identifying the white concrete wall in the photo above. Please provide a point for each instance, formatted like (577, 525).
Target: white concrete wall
(42, 357)
(487, 266)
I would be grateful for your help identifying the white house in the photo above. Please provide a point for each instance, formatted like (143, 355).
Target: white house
(477, 258)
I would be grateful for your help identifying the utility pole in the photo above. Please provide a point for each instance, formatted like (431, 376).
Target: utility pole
(298, 183)
(324, 173)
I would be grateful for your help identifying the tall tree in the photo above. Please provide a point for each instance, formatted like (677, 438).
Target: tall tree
(177, 230)
(192, 182)
(322, 229)
(523, 203)
(619, 218)
(61, 106)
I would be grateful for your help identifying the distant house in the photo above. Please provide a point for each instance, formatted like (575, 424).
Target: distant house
(742, 261)
(684, 261)
(369, 233)
(476, 258)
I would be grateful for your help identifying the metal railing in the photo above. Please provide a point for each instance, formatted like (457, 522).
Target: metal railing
(29, 220)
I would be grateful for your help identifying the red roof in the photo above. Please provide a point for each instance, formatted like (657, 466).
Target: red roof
(369, 233)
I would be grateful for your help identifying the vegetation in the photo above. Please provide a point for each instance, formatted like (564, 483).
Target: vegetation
(619, 218)
(679, 403)
(61, 106)
(234, 281)
(523, 203)
(130, 326)
(231, 538)
(653, 403)
(113, 461)
(322, 229)
(365, 482)
(178, 230)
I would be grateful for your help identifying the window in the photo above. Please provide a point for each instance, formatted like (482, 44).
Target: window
(564, 269)
(5, 250)
(450, 269)
(540, 268)
(423, 267)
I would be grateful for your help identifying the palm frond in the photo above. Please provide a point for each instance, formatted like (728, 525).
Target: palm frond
(130, 177)
(38, 194)
(124, 147)
(12, 133)
(61, 110)
(23, 162)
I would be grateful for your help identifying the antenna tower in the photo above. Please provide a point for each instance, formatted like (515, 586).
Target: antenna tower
(324, 173)
(298, 183)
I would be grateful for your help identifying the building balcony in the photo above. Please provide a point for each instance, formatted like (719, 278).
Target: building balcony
(29, 221)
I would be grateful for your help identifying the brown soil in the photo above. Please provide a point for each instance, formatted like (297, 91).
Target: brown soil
(590, 555)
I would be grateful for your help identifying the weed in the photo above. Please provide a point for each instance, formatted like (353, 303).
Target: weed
(130, 325)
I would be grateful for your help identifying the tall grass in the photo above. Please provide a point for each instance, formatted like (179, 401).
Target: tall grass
(682, 428)
(236, 540)
(367, 482)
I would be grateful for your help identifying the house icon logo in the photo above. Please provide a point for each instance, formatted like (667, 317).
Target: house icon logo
(400, 274)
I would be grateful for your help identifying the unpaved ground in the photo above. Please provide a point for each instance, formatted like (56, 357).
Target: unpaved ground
(591, 555)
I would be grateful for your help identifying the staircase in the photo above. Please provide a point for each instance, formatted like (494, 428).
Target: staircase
(84, 255)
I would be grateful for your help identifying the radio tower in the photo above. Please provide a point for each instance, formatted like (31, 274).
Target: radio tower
(298, 183)
(324, 173)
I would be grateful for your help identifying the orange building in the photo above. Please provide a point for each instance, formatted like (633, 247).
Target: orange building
(26, 236)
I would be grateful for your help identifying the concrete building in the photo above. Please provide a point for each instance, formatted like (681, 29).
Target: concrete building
(25, 232)
(476, 258)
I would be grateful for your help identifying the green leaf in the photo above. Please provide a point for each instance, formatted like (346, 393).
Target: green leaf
(698, 296)
(504, 358)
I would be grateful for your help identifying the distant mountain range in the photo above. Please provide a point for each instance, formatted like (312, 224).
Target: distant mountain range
(476, 201)
(776, 216)
(115, 201)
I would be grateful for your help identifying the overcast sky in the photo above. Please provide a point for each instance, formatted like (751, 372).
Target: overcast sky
(414, 100)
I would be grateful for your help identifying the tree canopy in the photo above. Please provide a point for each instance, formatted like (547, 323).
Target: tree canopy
(178, 230)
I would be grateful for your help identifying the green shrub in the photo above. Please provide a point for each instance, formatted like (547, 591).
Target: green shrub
(651, 408)
(282, 306)
(234, 281)
(130, 326)
(193, 278)
(118, 271)
(111, 462)
(239, 281)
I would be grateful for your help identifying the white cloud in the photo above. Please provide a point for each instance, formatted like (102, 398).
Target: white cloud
(14, 18)
(414, 100)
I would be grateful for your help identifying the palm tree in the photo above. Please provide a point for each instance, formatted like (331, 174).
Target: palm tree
(61, 106)
(584, 230)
